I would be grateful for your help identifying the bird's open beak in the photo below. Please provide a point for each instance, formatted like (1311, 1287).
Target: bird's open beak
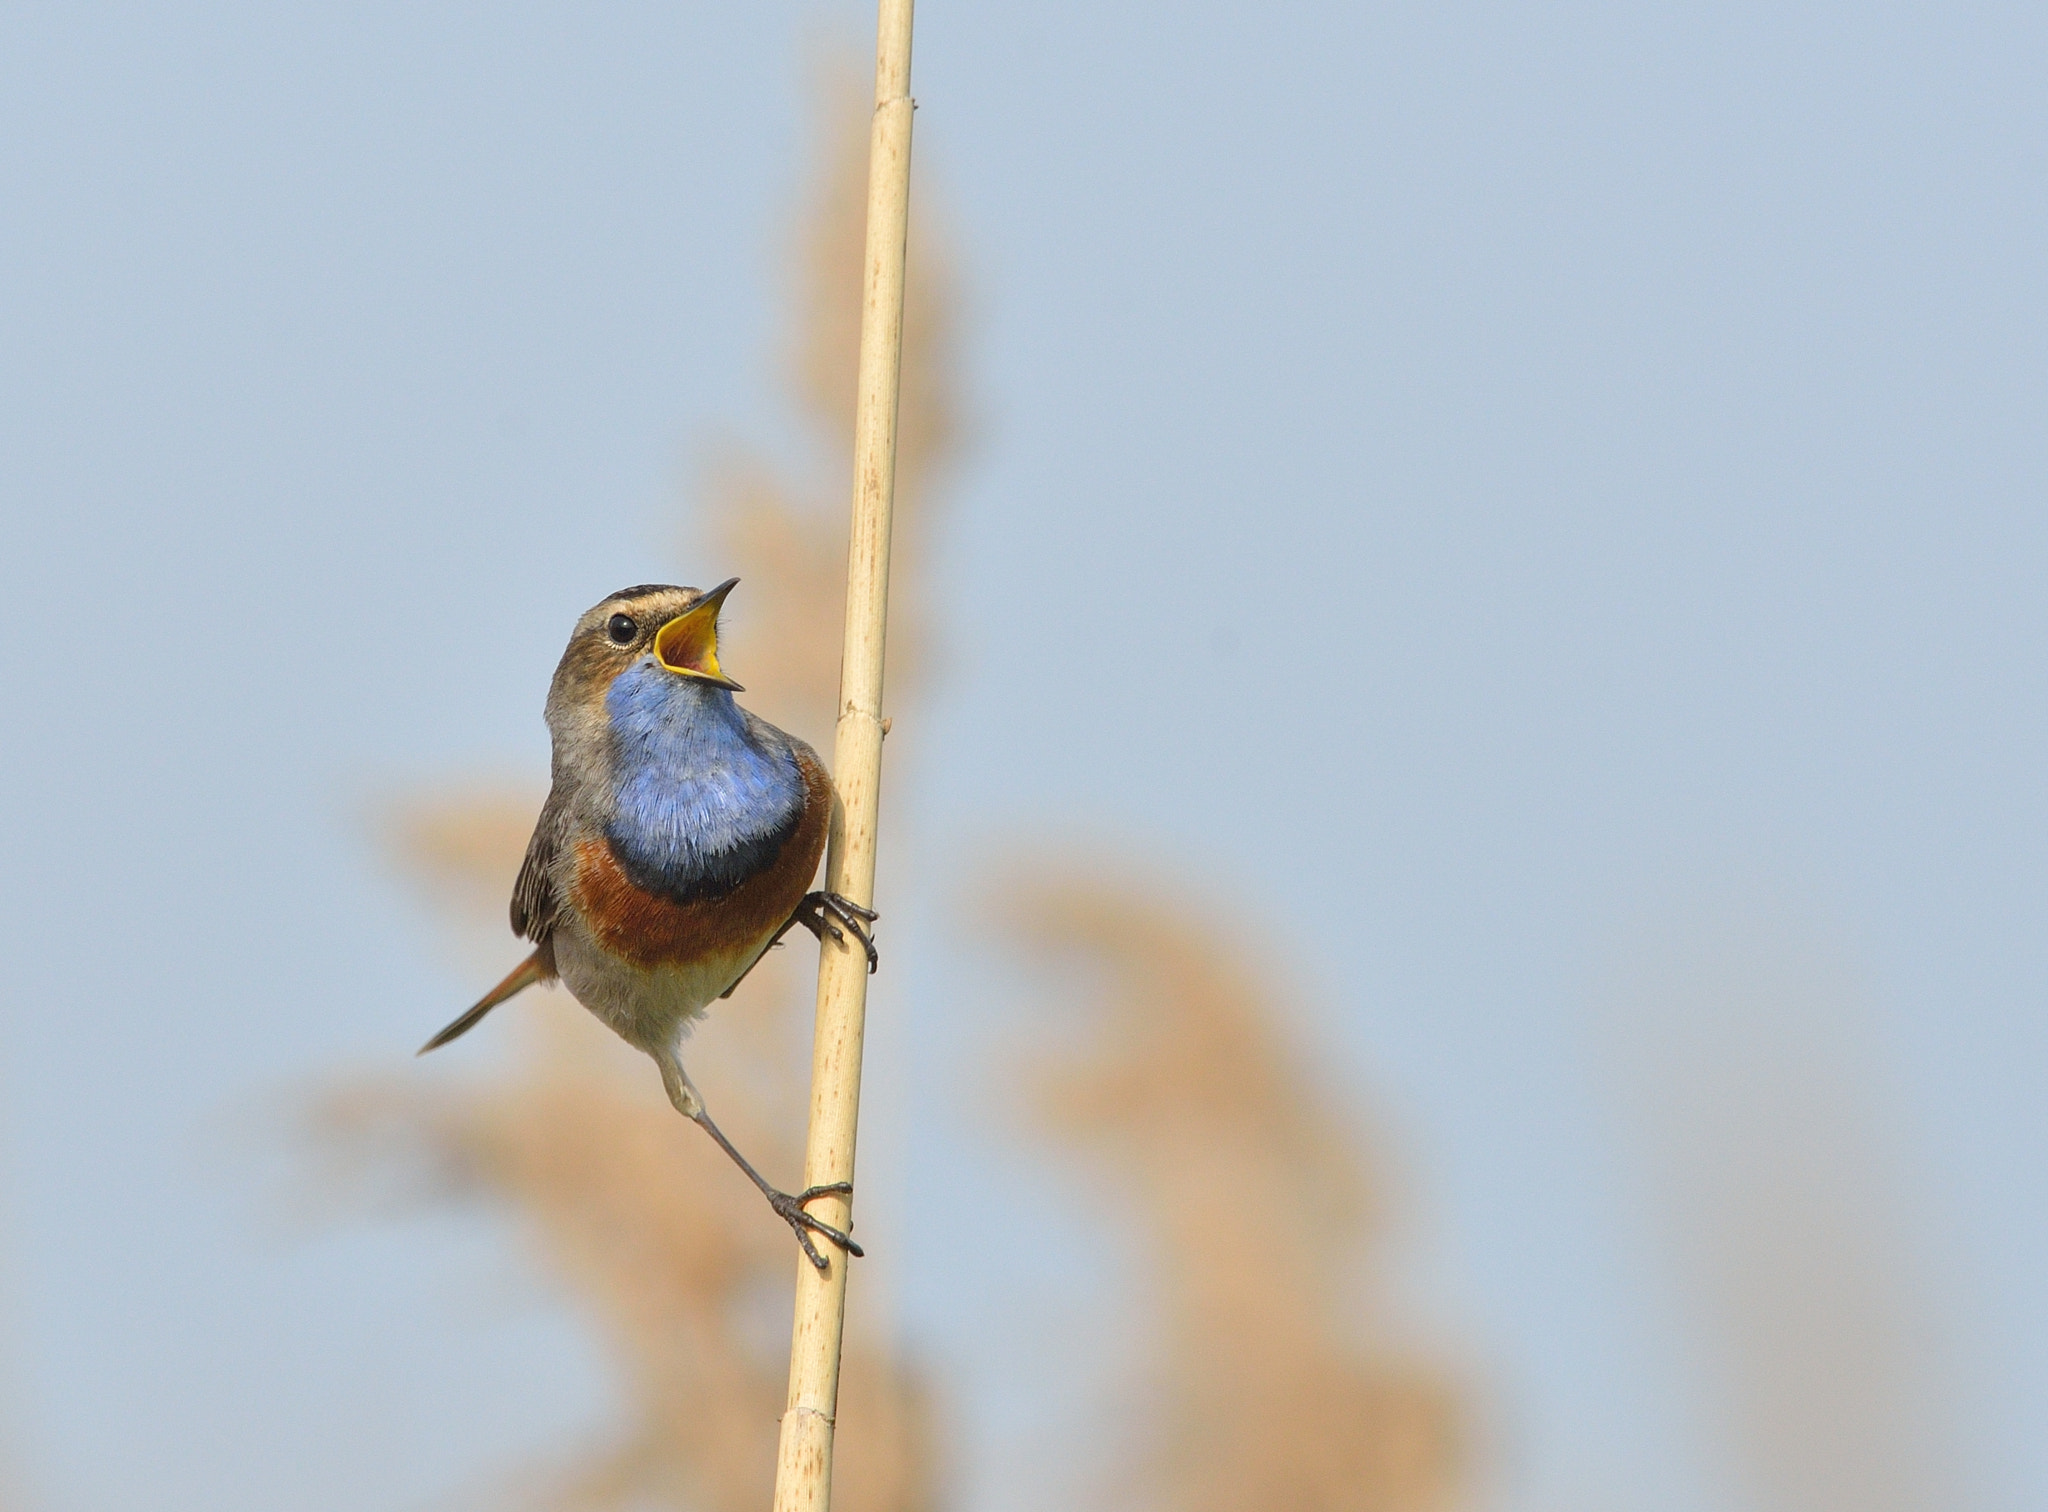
(688, 644)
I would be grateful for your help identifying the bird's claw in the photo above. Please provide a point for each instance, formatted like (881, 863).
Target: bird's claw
(824, 907)
(791, 1207)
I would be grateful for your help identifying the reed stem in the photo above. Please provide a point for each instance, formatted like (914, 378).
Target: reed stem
(803, 1469)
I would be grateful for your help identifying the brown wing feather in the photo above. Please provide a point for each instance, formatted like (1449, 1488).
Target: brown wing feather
(534, 904)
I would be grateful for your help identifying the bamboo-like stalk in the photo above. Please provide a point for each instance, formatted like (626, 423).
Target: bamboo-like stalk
(803, 1469)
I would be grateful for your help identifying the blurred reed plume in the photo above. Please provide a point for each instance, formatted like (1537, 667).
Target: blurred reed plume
(639, 1217)
(1257, 1211)
(664, 1252)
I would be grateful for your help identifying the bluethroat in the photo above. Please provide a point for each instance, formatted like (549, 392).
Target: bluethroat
(676, 846)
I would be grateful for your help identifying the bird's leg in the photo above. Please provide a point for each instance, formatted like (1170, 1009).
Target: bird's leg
(789, 1206)
(815, 913)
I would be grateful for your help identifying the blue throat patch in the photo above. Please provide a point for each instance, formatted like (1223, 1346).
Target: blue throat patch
(702, 807)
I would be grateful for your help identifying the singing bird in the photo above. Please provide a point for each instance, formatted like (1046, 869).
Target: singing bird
(677, 845)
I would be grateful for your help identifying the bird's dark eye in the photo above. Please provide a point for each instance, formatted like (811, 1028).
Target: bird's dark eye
(621, 628)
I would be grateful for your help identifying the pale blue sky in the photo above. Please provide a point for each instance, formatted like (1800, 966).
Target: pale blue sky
(1612, 438)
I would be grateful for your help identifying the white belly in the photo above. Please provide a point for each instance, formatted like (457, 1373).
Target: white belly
(650, 1007)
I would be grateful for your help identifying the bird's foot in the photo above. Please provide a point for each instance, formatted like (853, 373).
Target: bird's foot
(791, 1207)
(818, 911)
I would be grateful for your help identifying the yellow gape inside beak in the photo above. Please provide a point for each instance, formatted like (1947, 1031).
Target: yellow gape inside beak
(688, 644)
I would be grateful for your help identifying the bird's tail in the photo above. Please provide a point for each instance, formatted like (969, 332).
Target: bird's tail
(535, 968)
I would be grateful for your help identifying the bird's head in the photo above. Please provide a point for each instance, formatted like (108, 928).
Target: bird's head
(675, 628)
